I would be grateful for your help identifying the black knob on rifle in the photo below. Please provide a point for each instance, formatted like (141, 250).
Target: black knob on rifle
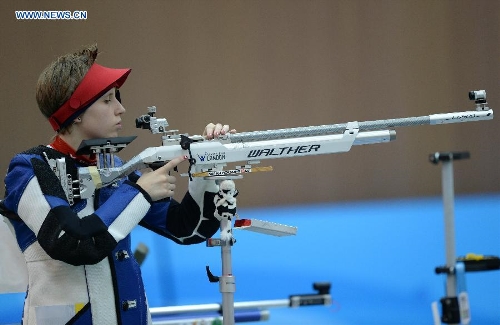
(186, 142)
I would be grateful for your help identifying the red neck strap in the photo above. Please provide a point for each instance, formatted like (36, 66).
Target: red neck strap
(64, 148)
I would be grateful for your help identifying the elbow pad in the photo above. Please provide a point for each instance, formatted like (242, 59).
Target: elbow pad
(73, 240)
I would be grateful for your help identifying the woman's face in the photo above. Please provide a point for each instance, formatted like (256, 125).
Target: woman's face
(103, 118)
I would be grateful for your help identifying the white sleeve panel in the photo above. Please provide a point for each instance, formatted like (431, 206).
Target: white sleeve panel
(129, 217)
(33, 209)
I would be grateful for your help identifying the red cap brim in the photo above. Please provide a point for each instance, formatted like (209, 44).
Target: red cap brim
(96, 82)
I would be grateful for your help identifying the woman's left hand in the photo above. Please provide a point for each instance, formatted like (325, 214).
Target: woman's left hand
(213, 131)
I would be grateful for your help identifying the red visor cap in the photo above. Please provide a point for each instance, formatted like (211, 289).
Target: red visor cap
(96, 82)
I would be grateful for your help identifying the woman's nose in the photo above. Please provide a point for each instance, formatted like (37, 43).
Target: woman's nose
(120, 109)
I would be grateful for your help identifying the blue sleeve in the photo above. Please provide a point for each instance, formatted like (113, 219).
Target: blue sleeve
(35, 194)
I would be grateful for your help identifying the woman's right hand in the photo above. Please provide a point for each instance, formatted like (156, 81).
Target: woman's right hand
(158, 183)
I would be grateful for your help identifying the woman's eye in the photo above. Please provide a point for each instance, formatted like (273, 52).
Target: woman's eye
(108, 99)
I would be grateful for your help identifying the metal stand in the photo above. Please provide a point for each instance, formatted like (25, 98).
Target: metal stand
(455, 306)
(227, 282)
(225, 203)
(455, 309)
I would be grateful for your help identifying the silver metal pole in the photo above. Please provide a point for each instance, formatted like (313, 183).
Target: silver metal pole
(215, 307)
(227, 284)
(450, 304)
(449, 225)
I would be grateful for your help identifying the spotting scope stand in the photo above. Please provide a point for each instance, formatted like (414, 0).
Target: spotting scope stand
(455, 308)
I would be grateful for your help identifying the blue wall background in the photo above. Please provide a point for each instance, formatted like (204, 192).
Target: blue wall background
(378, 255)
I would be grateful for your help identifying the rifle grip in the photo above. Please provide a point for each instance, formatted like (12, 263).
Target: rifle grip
(159, 164)
(156, 165)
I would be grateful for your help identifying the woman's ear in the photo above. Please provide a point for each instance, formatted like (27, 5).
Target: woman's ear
(77, 120)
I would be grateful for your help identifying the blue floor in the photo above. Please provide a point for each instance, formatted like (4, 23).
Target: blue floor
(11, 308)
(378, 256)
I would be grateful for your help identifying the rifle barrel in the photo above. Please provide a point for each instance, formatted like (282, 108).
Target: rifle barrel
(446, 118)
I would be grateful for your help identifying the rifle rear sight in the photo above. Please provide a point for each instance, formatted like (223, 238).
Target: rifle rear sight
(150, 122)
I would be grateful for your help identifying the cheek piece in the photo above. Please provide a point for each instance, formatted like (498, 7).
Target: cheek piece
(96, 82)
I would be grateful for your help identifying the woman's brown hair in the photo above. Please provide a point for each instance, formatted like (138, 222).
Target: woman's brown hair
(60, 78)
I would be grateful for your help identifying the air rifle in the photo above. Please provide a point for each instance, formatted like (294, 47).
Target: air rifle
(207, 158)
